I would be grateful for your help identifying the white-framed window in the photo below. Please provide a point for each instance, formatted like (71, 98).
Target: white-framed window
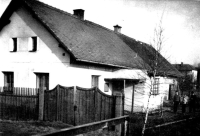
(13, 45)
(95, 81)
(33, 44)
(155, 89)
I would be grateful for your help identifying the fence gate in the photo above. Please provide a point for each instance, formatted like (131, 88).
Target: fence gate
(93, 105)
(59, 104)
(76, 105)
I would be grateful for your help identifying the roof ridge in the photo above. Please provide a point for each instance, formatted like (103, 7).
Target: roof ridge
(115, 32)
(133, 39)
(55, 8)
(67, 13)
(87, 21)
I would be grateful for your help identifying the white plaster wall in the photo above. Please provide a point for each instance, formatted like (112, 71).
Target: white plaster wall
(194, 73)
(141, 94)
(47, 59)
(128, 92)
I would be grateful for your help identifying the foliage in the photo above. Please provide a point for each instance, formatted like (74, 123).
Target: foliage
(186, 83)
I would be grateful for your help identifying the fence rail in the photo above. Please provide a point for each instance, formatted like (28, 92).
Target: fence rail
(18, 103)
(93, 126)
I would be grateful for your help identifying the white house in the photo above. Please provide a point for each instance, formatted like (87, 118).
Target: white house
(41, 46)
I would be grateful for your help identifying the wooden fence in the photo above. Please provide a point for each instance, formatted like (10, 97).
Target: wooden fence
(71, 105)
(18, 103)
(76, 105)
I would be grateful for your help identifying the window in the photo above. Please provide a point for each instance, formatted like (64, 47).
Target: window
(33, 44)
(155, 90)
(95, 81)
(13, 45)
(42, 81)
(8, 79)
(106, 87)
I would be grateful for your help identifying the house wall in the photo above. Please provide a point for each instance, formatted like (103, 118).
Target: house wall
(194, 75)
(128, 92)
(141, 94)
(48, 58)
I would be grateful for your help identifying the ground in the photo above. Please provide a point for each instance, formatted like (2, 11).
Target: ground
(191, 126)
(186, 128)
(187, 121)
(26, 128)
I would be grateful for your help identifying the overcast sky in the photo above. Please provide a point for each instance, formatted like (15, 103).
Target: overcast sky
(138, 18)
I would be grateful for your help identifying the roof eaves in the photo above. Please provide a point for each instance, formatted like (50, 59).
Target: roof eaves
(103, 63)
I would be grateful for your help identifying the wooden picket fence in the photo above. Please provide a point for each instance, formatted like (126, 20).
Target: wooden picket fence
(76, 105)
(18, 103)
(71, 105)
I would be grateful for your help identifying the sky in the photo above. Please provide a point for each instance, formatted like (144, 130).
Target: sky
(138, 19)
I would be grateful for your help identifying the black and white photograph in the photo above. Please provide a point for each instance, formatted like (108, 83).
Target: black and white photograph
(99, 67)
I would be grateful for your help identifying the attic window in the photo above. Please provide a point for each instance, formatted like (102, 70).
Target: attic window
(33, 43)
(13, 45)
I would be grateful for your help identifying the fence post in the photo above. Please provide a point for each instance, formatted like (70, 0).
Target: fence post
(41, 104)
(57, 102)
(119, 112)
(75, 106)
(123, 124)
(127, 127)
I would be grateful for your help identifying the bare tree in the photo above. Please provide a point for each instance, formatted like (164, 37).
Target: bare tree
(154, 62)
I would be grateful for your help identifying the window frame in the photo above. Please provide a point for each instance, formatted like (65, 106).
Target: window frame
(39, 78)
(33, 45)
(8, 83)
(95, 81)
(106, 87)
(155, 87)
(13, 44)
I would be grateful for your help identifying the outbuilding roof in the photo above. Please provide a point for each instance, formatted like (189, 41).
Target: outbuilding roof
(184, 67)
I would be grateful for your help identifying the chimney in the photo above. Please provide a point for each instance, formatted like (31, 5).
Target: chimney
(117, 28)
(79, 13)
(181, 64)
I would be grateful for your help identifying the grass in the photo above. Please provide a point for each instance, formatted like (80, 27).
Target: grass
(27, 128)
(137, 120)
(187, 128)
(191, 127)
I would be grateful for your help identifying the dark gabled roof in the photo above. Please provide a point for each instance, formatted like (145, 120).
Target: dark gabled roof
(147, 53)
(184, 67)
(85, 40)
(90, 42)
